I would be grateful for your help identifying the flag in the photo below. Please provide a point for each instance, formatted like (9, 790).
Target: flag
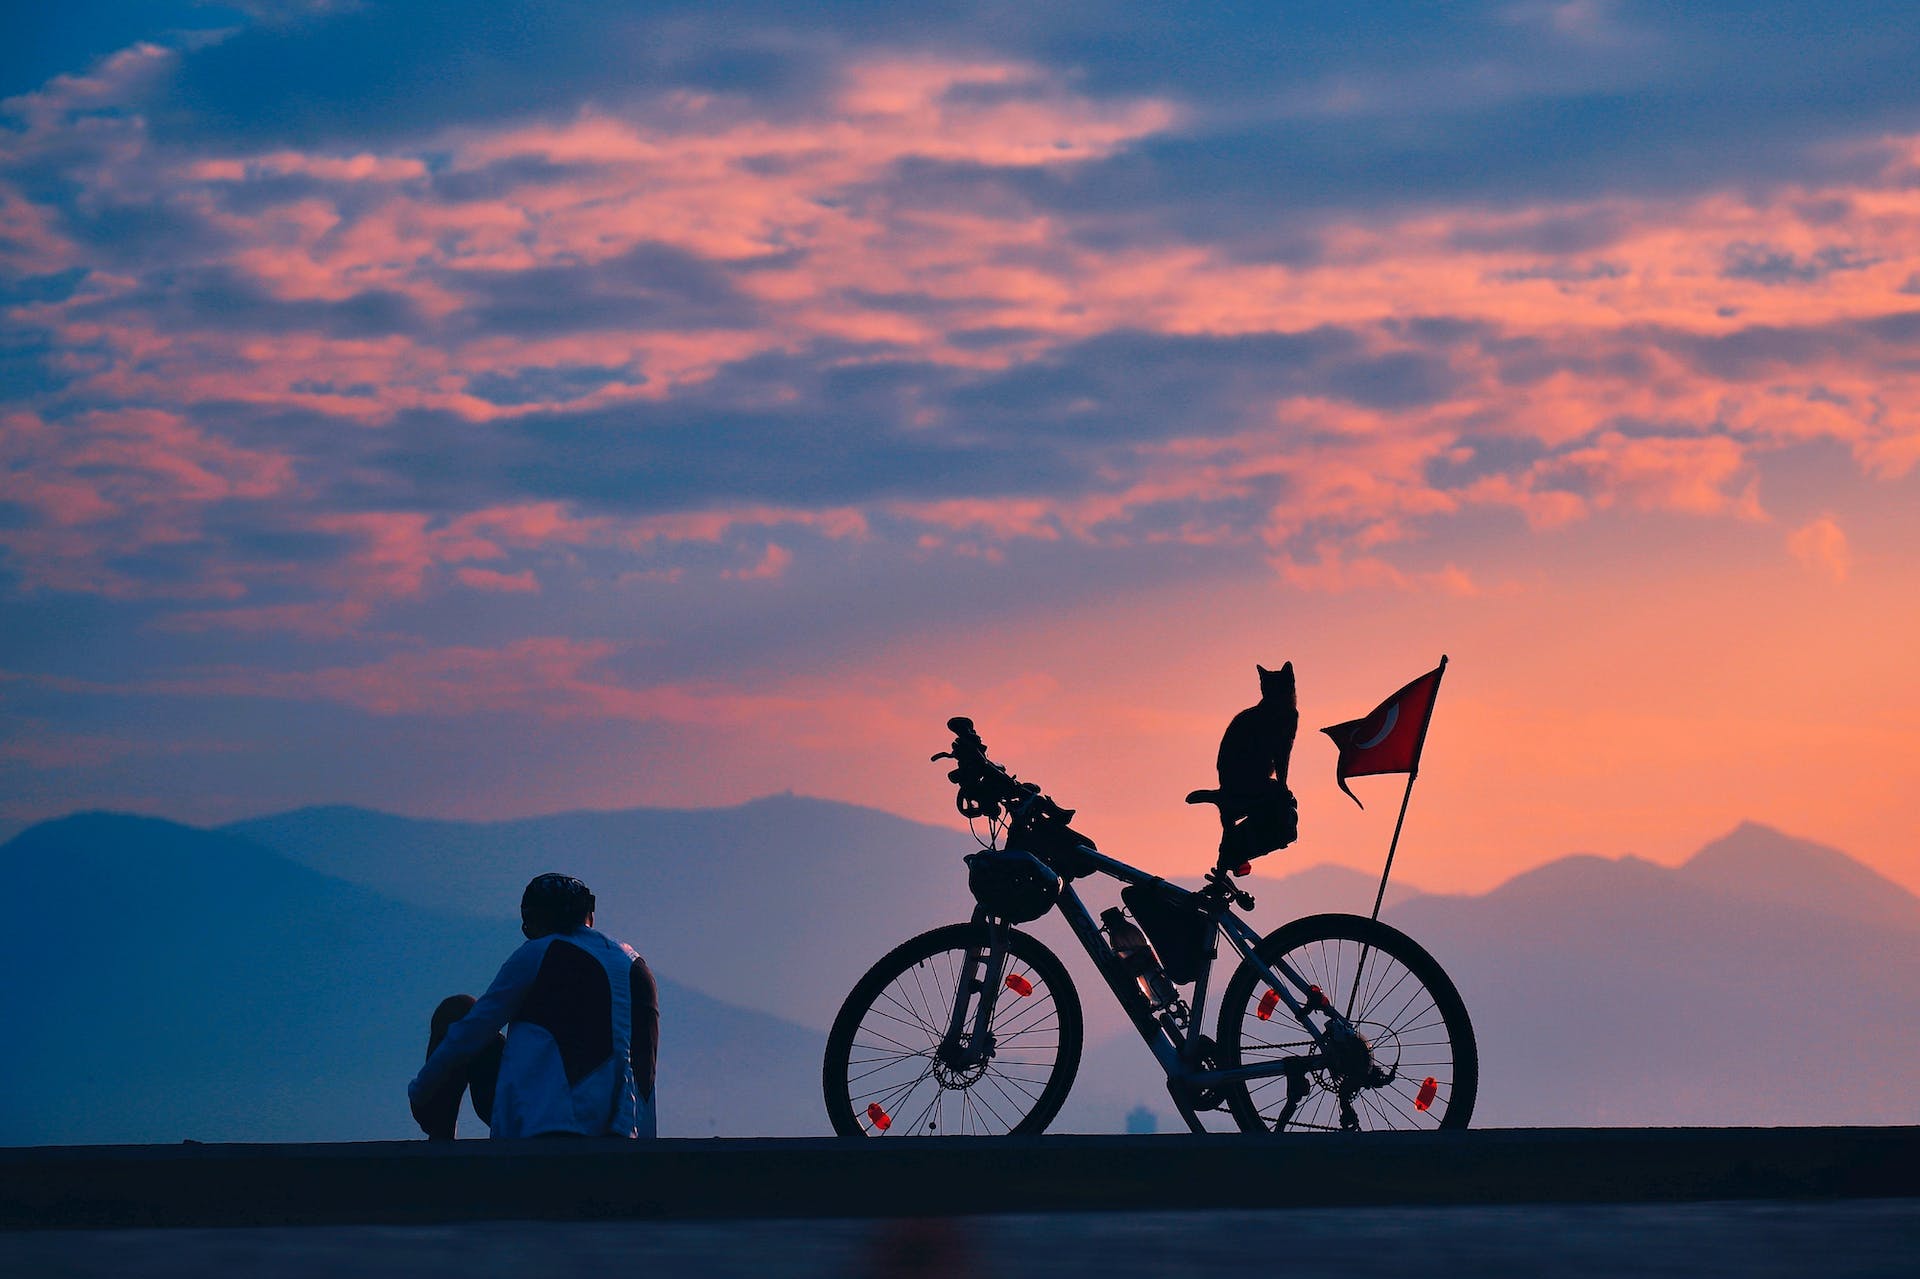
(1388, 740)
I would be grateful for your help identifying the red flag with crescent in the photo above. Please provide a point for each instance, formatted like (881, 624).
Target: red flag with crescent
(1389, 739)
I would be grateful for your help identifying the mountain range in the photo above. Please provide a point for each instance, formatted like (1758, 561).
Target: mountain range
(756, 904)
(271, 979)
(166, 983)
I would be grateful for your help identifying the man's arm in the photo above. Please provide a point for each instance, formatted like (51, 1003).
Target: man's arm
(646, 1026)
(476, 1030)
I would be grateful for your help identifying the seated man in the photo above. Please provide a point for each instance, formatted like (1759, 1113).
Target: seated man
(583, 1033)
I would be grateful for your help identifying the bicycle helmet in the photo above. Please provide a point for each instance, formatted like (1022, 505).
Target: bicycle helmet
(1012, 885)
(555, 903)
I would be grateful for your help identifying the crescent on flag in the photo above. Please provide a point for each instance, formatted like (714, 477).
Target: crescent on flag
(1393, 717)
(1389, 739)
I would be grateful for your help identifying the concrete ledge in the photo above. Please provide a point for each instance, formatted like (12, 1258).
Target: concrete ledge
(418, 1183)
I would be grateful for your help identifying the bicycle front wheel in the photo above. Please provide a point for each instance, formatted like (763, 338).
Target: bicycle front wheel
(886, 1074)
(1421, 1068)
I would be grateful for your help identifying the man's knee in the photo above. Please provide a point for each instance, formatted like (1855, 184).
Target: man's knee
(452, 1009)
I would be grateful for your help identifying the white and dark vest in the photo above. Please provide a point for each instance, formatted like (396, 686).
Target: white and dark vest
(566, 1000)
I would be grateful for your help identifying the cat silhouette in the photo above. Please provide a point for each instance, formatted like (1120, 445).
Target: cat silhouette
(1257, 811)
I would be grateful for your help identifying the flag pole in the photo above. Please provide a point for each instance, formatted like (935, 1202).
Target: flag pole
(1395, 845)
(1413, 774)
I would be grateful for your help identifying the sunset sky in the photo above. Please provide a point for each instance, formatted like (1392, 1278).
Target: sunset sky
(475, 409)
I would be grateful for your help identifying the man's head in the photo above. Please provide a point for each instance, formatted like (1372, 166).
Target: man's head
(555, 904)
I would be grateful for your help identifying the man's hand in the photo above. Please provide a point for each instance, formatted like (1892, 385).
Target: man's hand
(435, 1117)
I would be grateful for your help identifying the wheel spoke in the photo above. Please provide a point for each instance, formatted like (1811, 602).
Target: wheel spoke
(991, 1109)
(911, 1052)
(913, 1017)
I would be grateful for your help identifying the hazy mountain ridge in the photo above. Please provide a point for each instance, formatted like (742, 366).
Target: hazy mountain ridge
(706, 894)
(1626, 992)
(169, 982)
(1762, 864)
(1767, 980)
(1761, 982)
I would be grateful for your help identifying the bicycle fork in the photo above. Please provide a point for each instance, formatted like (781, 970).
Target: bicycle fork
(964, 1048)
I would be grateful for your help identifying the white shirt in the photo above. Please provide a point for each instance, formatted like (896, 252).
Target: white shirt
(567, 1004)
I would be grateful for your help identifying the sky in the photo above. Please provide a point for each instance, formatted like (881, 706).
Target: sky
(476, 410)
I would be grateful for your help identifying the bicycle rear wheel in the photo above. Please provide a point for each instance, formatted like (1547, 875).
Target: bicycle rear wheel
(884, 1073)
(1399, 1000)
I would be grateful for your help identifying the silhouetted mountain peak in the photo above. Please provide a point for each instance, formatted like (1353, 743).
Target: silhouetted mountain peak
(1761, 863)
(1583, 875)
(94, 819)
(87, 845)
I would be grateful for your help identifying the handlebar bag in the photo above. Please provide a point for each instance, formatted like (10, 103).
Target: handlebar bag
(1011, 884)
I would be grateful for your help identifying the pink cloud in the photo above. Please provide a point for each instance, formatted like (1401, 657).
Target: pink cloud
(486, 579)
(1822, 546)
(110, 481)
(363, 167)
(1622, 324)
(1334, 572)
(716, 525)
(324, 620)
(548, 678)
(41, 747)
(1693, 475)
(769, 566)
(1004, 518)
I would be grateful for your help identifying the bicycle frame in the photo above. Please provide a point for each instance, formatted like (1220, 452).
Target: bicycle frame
(1178, 1049)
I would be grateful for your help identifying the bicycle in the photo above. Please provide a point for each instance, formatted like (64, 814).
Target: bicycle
(1331, 1022)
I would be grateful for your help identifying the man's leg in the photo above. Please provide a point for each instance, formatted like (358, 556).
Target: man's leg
(439, 1111)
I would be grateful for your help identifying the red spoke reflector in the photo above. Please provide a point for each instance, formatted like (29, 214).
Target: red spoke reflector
(1019, 985)
(882, 1121)
(1268, 1002)
(1428, 1091)
(1244, 869)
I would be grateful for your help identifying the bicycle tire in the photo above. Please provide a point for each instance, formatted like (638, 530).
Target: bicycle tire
(1326, 950)
(918, 977)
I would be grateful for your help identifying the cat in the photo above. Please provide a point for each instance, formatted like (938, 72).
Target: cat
(1256, 807)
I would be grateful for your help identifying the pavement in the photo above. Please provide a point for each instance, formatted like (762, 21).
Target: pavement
(424, 1183)
(1563, 1202)
(1844, 1239)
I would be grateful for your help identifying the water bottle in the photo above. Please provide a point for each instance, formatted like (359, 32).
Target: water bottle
(1136, 956)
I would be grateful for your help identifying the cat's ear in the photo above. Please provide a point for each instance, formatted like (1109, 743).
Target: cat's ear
(1277, 684)
(1264, 672)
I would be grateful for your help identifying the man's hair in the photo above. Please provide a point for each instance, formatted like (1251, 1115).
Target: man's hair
(555, 904)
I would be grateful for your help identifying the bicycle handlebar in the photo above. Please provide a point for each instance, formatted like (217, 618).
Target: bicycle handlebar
(987, 789)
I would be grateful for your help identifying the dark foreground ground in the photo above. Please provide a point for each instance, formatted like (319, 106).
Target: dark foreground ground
(1822, 1201)
(1834, 1240)
(422, 1183)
